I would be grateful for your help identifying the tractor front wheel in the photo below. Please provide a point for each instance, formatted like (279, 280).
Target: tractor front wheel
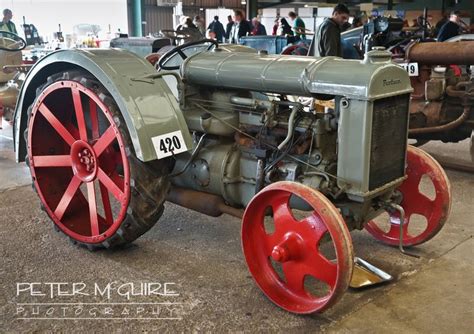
(302, 262)
(432, 208)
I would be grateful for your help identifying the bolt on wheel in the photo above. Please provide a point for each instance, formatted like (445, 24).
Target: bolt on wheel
(433, 208)
(289, 261)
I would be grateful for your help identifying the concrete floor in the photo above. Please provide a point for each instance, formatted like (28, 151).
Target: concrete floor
(202, 256)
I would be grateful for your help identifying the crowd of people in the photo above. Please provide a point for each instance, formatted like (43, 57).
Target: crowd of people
(238, 26)
(327, 37)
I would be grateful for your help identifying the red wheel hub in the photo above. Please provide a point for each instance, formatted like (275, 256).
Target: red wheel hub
(83, 161)
(78, 162)
(415, 202)
(295, 244)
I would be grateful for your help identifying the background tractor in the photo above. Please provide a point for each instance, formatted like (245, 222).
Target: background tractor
(107, 143)
(11, 72)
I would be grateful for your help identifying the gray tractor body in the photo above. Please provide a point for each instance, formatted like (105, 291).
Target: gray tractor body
(243, 130)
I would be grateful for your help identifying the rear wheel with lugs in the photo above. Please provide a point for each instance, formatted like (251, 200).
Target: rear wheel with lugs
(84, 168)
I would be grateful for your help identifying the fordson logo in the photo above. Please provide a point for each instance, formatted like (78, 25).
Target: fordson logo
(391, 82)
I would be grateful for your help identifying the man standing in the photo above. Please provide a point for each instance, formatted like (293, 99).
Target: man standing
(217, 28)
(7, 24)
(440, 24)
(327, 41)
(298, 25)
(199, 23)
(258, 28)
(451, 28)
(228, 27)
(240, 28)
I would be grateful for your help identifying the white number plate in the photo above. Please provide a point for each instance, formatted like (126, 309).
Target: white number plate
(411, 68)
(169, 144)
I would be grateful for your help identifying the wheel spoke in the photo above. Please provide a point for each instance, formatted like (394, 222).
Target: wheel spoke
(67, 197)
(118, 180)
(321, 268)
(94, 119)
(51, 161)
(104, 141)
(182, 54)
(422, 206)
(110, 185)
(414, 177)
(56, 124)
(319, 228)
(294, 276)
(93, 209)
(282, 215)
(106, 202)
(81, 123)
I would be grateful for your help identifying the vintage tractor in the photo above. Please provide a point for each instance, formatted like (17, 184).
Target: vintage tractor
(107, 143)
(11, 72)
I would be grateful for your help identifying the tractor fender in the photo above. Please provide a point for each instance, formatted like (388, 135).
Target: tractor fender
(147, 106)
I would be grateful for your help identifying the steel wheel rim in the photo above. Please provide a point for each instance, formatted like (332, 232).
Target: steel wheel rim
(435, 211)
(258, 247)
(95, 168)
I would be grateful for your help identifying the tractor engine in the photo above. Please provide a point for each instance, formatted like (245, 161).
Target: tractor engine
(248, 133)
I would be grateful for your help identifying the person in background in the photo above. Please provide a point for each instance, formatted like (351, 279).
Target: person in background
(188, 28)
(345, 26)
(199, 23)
(356, 22)
(217, 29)
(440, 23)
(182, 21)
(7, 24)
(276, 24)
(240, 28)
(258, 28)
(451, 28)
(284, 28)
(327, 40)
(228, 27)
(298, 25)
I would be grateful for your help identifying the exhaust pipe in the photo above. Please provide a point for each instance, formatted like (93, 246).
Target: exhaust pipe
(208, 204)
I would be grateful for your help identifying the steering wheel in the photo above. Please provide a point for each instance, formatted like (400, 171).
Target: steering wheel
(179, 50)
(17, 42)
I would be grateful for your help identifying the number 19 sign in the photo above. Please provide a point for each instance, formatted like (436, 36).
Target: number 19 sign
(411, 68)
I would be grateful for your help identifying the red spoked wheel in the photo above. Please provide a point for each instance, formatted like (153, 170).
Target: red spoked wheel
(67, 150)
(416, 203)
(288, 258)
(81, 163)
